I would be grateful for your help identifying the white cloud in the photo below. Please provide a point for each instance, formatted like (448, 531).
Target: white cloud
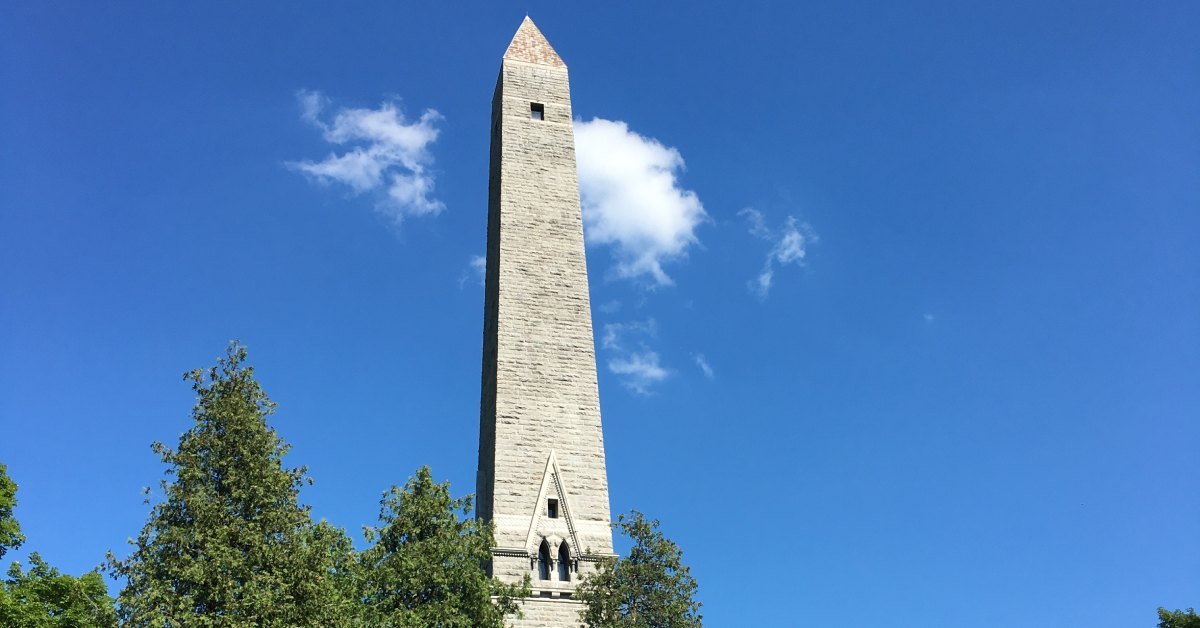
(479, 265)
(384, 153)
(758, 225)
(639, 370)
(617, 335)
(705, 368)
(638, 366)
(632, 199)
(476, 268)
(788, 246)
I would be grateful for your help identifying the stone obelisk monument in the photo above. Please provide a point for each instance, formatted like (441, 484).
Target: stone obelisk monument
(542, 479)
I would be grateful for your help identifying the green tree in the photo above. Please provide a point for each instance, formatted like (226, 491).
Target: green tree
(425, 566)
(44, 598)
(229, 544)
(10, 530)
(650, 588)
(1178, 619)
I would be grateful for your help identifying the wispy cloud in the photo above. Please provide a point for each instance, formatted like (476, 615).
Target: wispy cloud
(788, 246)
(476, 269)
(705, 368)
(619, 335)
(382, 153)
(632, 199)
(640, 370)
(639, 367)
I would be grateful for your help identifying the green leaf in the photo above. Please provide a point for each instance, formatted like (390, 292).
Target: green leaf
(649, 588)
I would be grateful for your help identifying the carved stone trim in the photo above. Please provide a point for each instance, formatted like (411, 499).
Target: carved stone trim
(519, 552)
(552, 474)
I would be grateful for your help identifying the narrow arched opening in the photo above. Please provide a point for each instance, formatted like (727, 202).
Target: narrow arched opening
(543, 563)
(564, 562)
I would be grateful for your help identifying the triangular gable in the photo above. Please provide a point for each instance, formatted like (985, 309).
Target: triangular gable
(552, 486)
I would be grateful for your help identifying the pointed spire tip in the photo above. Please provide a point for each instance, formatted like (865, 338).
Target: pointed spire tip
(530, 45)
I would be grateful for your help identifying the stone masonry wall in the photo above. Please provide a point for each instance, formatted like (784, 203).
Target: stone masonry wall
(539, 372)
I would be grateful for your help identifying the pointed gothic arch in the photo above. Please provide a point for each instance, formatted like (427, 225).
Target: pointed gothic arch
(543, 561)
(564, 562)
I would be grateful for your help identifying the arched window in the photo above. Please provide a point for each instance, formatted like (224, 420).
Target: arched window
(544, 561)
(564, 562)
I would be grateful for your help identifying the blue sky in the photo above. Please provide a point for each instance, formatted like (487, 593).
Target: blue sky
(968, 389)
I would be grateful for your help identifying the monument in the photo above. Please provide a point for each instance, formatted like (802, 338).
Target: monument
(542, 480)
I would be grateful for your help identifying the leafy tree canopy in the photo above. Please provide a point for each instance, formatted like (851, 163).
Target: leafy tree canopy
(44, 598)
(650, 588)
(1178, 619)
(230, 545)
(10, 530)
(425, 566)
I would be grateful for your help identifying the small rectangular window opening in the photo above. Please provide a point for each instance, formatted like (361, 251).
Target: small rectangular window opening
(537, 110)
(552, 508)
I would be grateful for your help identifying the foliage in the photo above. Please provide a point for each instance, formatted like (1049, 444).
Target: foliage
(43, 597)
(230, 545)
(425, 567)
(10, 530)
(651, 588)
(1178, 619)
